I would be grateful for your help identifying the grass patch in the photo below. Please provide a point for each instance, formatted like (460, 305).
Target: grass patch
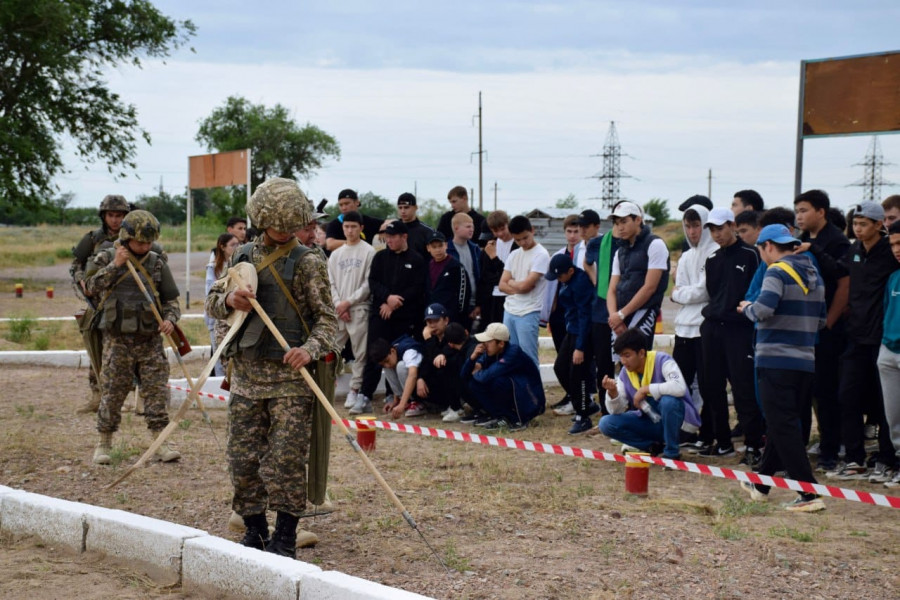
(19, 329)
(783, 531)
(121, 452)
(736, 506)
(454, 559)
(729, 531)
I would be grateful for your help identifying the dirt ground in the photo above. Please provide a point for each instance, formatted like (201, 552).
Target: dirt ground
(510, 524)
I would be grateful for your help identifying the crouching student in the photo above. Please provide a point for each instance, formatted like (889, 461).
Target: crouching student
(400, 361)
(650, 402)
(439, 383)
(504, 381)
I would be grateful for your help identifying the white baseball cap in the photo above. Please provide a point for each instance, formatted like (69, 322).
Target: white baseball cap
(627, 209)
(719, 216)
(494, 331)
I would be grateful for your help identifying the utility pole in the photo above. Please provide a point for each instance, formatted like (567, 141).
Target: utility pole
(612, 169)
(495, 195)
(480, 154)
(709, 185)
(872, 181)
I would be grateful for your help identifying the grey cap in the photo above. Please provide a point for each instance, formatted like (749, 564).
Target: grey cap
(870, 210)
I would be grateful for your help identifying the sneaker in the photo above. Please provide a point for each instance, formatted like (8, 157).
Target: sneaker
(352, 397)
(452, 416)
(487, 423)
(415, 410)
(627, 448)
(799, 504)
(714, 451)
(471, 419)
(504, 424)
(564, 410)
(881, 473)
(698, 447)
(593, 409)
(870, 432)
(813, 449)
(895, 480)
(849, 472)
(687, 440)
(826, 466)
(751, 458)
(565, 400)
(755, 494)
(581, 425)
(363, 405)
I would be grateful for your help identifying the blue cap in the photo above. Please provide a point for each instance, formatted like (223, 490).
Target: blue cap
(779, 234)
(435, 311)
(559, 264)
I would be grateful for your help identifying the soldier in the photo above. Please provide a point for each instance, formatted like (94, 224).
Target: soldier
(131, 342)
(271, 406)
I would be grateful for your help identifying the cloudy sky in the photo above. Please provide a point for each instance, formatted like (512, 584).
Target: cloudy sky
(691, 86)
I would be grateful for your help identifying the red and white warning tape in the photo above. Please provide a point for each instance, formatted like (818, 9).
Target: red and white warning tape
(680, 465)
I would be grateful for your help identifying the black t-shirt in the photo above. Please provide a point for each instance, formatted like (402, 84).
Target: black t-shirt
(371, 225)
(869, 272)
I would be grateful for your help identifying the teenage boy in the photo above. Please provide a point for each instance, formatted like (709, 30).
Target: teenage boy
(496, 251)
(599, 255)
(690, 292)
(889, 354)
(439, 382)
(446, 282)
(870, 264)
(640, 274)
(418, 232)
(747, 200)
(348, 200)
(650, 402)
(891, 206)
(726, 337)
(828, 244)
(523, 282)
(458, 197)
(574, 355)
(467, 252)
(348, 269)
(789, 312)
(746, 224)
(401, 361)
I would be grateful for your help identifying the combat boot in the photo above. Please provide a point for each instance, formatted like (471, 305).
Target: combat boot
(257, 535)
(165, 453)
(91, 406)
(103, 450)
(284, 540)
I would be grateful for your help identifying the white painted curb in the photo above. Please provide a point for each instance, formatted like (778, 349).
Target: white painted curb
(174, 554)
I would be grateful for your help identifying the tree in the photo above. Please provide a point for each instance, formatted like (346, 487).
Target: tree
(165, 207)
(659, 210)
(53, 55)
(569, 201)
(280, 148)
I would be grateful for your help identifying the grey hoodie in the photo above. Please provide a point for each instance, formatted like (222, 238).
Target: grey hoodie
(690, 281)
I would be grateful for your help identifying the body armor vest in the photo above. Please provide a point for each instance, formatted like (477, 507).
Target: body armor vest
(126, 309)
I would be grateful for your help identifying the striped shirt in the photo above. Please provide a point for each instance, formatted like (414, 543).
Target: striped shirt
(788, 316)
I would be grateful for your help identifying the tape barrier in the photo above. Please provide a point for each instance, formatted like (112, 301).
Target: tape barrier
(678, 465)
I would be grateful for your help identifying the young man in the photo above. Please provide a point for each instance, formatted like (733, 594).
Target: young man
(447, 282)
(458, 197)
(419, 233)
(640, 274)
(747, 200)
(467, 252)
(789, 312)
(270, 411)
(523, 282)
(599, 256)
(651, 402)
(891, 206)
(870, 263)
(131, 341)
(690, 292)
(504, 381)
(439, 382)
(401, 360)
(551, 313)
(828, 244)
(348, 200)
(348, 270)
(727, 338)
(746, 224)
(496, 252)
(574, 355)
(889, 354)
(237, 226)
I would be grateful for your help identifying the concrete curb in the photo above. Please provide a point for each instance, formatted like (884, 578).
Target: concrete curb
(175, 554)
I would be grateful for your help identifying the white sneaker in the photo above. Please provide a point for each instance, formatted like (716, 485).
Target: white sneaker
(895, 480)
(452, 416)
(352, 396)
(445, 411)
(564, 410)
(363, 405)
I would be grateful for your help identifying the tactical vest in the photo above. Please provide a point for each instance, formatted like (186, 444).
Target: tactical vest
(633, 261)
(126, 310)
(254, 341)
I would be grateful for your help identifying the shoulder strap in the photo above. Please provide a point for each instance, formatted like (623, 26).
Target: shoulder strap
(296, 250)
(139, 265)
(791, 273)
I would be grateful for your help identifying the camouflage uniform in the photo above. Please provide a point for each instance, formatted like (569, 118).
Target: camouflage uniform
(270, 409)
(131, 339)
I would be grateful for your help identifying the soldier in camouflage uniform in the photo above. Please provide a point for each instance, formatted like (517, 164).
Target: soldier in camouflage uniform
(131, 340)
(113, 209)
(270, 409)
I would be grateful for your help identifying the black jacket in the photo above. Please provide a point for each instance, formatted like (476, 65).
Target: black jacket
(869, 272)
(417, 238)
(452, 290)
(491, 272)
(402, 274)
(729, 272)
(445, 226)
(829, 247)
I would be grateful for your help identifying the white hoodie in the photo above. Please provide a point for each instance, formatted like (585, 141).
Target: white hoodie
(690, 281)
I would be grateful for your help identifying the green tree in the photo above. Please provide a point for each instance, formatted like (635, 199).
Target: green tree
(53, 57)
(165, 207)
(569, 201)
(659, 210)
(280, 147)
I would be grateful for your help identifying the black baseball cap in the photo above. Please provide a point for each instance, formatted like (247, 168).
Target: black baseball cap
(588, 217)
(406, 199)
(559, 264)
(436, 236)
(348, 193)
(396, 228)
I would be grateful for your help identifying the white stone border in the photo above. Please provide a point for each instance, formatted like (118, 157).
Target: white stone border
(175, 554)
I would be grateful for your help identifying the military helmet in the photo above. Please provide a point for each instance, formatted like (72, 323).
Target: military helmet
(139, 225)
(280, 204)
(114, 202)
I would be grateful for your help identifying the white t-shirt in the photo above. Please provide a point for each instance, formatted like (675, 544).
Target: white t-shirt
(412, 358)
(520, 264)
(657, 256)
(503, 250)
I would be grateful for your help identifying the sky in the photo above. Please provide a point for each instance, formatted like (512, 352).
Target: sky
(691, 86)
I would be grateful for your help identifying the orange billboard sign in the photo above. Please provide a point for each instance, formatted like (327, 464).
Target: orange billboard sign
(218, 170)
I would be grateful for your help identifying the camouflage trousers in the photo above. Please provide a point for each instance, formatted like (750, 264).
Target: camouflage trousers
(268, 448)
(123, 356)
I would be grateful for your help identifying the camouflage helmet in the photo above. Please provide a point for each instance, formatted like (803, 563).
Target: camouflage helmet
(280, 204)
(114, 202)
(139, 225)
